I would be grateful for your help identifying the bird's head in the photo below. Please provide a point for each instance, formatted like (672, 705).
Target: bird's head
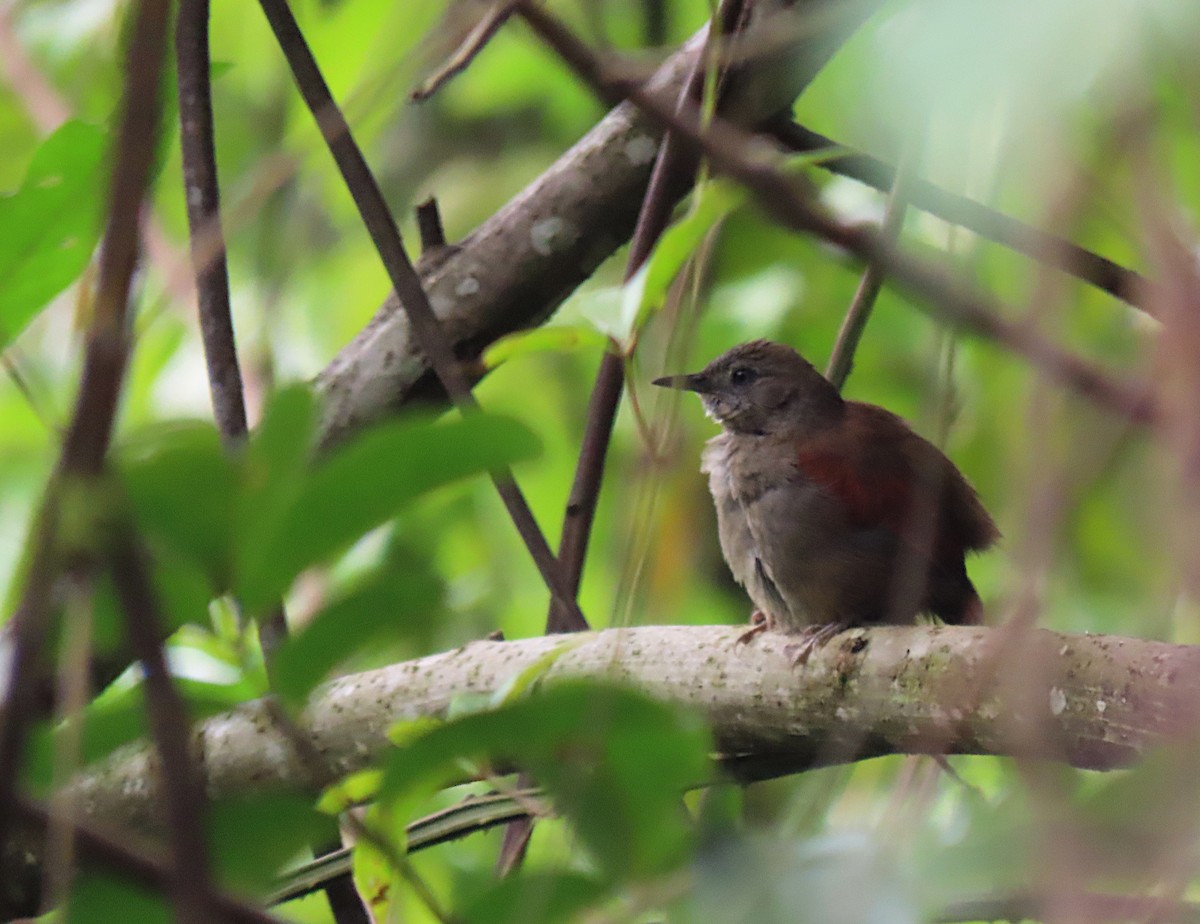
(761, 387)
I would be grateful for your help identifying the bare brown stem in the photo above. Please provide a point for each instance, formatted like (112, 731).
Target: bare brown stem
(90, 429)
(947, 298)
(1101, 272)
(191, 876)
(386, 236)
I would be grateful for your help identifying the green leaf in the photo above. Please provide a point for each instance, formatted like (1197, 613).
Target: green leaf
(615, 762)
(364, 484)
(376, 608)
(49, 227)
(557, 339)
(645, 294)
(525, 681)
(183, 486)
(183, 593)
(351, 790)
(535, 896)
(100, 897)
(276, 461)
(253, 838)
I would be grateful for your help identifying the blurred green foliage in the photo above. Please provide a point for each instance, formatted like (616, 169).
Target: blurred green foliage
(402, 548)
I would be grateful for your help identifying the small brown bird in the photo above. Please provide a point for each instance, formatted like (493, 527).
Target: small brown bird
(831, 513)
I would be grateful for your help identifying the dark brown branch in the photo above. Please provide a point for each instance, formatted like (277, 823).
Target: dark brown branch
(674, 170)
(90, 430)
(203, 197)
(202, 194)
(1107, 275)
(746, 159)
(191, 877)
(429, 226)
(476, 40)
(386, 236)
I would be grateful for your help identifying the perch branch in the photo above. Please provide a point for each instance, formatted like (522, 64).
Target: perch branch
(1099, 702)
(1090, 701)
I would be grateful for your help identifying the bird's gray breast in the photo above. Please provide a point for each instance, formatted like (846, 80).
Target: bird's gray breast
(737, 540)
(773, 523)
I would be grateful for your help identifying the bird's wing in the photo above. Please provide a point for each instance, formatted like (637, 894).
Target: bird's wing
(885, 475)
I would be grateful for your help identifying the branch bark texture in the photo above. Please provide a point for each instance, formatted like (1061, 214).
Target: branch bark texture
(1089, 701)
(520, 264)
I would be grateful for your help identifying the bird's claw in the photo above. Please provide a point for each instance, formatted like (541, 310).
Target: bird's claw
(810, 639)
(760, 622)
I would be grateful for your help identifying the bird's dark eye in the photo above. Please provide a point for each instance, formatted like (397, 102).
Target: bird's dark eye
(742, 376)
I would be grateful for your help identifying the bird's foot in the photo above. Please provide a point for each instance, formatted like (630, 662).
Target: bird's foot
(760, 622)
(810, 639)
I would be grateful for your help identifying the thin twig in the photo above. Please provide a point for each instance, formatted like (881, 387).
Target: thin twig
(386, 236)
(470, 816)
(466, 52)
(841, 361)
(72, 694)
(656, 22)
(90, 429)
(171, 726)
(429, 226)
(674, 169)
(203, 198)
(1084, 906)
(748, 160)
(10, 360)
(1101, 272)
(322, 775)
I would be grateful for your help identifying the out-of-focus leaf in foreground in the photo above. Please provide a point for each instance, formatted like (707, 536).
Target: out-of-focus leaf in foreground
(49, 227)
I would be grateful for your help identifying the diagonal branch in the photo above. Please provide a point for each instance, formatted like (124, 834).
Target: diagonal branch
(519, 265)
(945, 297)
(381, 225)
(191, 875)
(841, 362)
(1105, 274)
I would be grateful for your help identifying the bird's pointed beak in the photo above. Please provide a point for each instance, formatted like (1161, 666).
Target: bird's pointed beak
(697, 381)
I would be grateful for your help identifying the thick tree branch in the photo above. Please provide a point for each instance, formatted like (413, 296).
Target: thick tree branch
(1089, 701)
(519, 265)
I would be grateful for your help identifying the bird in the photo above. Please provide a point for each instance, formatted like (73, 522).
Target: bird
(831, 513)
